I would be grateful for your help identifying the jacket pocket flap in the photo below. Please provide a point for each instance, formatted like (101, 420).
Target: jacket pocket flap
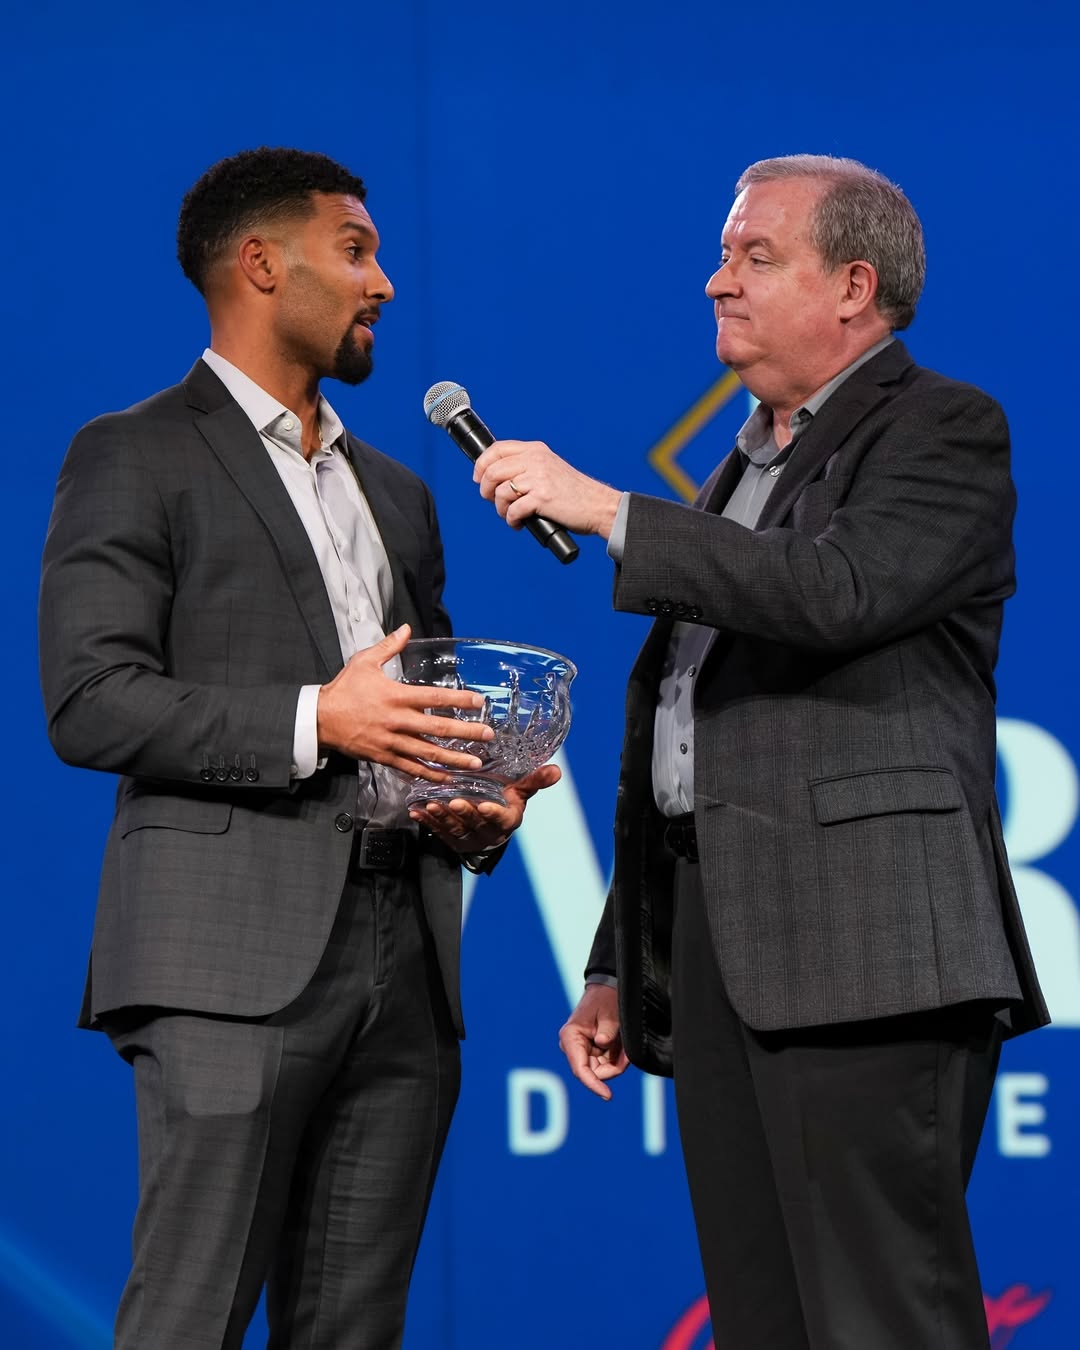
(194, 814)
(883, 793)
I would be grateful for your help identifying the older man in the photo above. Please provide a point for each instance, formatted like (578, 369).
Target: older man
(812, 923)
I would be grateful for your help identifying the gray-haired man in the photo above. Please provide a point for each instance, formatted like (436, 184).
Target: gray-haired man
(812, 923)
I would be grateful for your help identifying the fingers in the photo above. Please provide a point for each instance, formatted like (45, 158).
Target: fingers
(585, 1064)
(414, 755)
(491, 465)
(506, 494)
(520, 478)
(465, 826)
(488, 821)
(592, 1042)
(421, 697)
(457, 817)
(532, 783)
(505, 463)
(443, 740)
(477, 825)
(391, 645)
(419, 722)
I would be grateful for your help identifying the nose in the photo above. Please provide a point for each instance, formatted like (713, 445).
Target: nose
(721, 283)
(380, 287)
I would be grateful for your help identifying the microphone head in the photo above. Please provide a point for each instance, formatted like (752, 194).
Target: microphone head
(443, 402)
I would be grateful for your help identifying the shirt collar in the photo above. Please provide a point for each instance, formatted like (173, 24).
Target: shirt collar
(266, 414)
(755, 439)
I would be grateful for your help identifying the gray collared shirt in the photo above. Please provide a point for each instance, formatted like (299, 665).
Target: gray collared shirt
(350, 553)
(763, 466)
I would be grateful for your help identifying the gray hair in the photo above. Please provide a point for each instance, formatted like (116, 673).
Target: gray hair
(860, 214)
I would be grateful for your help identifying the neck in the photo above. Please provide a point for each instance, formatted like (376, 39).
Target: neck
(781, 426)
(295, 387)
(784, 403)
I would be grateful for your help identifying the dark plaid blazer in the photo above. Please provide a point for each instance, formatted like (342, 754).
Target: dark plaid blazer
(182, 609)
(851, 849)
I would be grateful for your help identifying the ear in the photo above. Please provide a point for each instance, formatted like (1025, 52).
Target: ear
(260, 262)
(859, 286)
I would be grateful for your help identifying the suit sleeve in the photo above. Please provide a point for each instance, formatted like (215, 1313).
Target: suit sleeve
(106, 594)
(601, 960)
(924, 526)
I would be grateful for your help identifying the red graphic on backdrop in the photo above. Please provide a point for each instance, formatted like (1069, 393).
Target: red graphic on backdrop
(1010, 1310)
(1005, 1314)
(684, 1335)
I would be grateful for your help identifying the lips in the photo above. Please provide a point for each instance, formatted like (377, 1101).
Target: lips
(365, 322)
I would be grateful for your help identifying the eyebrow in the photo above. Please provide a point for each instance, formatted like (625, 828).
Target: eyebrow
(762, 241)
(356, 227)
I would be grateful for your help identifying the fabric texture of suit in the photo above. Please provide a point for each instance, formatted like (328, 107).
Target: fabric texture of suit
(182, 609)
(850, 845)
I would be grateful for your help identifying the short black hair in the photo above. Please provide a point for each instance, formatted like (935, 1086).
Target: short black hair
(248, 190)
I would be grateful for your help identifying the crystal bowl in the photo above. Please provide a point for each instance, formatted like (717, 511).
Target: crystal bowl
(526, 703)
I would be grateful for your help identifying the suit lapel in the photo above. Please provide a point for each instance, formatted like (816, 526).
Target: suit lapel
(863, 391)
(399, 539)
(229, 433)
(641, 694)
(721, 483)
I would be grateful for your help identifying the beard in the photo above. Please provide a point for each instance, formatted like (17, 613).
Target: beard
(352, 364)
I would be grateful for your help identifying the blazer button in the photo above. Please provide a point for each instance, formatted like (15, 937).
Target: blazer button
(680, 610)
(222, 775)
(343, 823)
(667, 609)
(236, 773)
(207, 775)
(252, 775)
(650, 605)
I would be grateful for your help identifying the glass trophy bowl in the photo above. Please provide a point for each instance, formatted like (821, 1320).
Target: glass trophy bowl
(526, 703)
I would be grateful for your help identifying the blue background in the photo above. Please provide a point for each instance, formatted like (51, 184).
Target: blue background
(550, 183)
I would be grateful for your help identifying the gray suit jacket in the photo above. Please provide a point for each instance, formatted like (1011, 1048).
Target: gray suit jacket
(182, 608)
(851, 849)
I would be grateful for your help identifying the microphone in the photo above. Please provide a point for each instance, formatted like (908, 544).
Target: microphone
(446, 404)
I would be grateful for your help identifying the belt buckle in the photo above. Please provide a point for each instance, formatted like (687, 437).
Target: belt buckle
(680, 839)
(381, 850)
(691, 843)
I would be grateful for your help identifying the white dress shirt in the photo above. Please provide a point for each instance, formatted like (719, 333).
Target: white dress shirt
(351, 557)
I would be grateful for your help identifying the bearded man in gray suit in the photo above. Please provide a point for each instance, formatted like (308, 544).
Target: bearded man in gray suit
(229, 578)
(811, 922)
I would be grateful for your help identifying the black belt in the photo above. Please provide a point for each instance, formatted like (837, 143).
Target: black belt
(680, 837)
(376, 850)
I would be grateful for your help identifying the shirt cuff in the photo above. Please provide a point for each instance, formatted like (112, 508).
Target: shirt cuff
(609, 980)
(617, 537)
(481, 861)
(305, 752)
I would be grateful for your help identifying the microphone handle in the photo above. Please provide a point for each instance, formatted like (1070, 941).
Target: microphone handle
(470, 434)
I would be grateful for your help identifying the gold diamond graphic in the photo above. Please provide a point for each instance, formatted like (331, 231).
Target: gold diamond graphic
(666, 451)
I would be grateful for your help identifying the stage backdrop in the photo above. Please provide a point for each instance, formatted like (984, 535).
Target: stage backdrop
(550, 182)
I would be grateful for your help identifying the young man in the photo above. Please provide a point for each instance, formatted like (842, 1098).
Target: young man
(228, 578)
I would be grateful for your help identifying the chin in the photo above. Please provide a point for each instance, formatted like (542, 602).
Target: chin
(352, 364)
(729, 356)
(353, 374)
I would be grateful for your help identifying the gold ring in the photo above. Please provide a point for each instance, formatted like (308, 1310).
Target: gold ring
(517, 490)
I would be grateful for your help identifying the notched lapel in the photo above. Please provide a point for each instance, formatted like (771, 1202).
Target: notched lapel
(398, 536)
(227, 430)
(721, 483)
(863, 391)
